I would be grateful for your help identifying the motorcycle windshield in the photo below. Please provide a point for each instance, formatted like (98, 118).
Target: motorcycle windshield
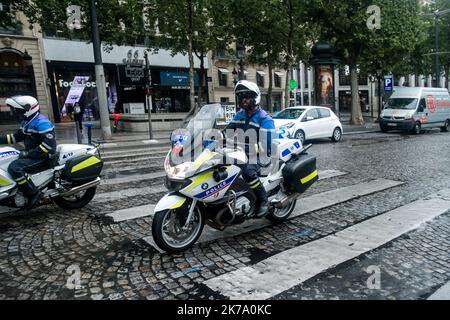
(192, 136)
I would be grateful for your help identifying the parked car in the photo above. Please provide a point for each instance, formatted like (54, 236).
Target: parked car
(414, 109)
(309, 122)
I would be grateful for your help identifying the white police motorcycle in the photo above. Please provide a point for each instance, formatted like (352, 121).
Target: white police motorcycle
(209, 190)
(70, 180)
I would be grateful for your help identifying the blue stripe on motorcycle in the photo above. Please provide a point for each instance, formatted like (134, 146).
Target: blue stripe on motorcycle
(215, 189)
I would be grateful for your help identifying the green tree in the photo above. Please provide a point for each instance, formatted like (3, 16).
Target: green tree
(276, 33)
(189, 27)
(120, 22)
(345, 24)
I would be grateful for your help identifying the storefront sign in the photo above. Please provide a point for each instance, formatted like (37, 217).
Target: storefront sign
(176, 78)
(79, 83)
(131, 75)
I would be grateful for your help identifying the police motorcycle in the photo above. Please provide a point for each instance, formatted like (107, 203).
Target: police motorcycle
(70, 180)
(210, 191)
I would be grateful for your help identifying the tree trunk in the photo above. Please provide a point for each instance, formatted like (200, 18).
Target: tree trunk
(193, 106)
(269, 90)
(356, 115)
(201, 89)
(287, 95)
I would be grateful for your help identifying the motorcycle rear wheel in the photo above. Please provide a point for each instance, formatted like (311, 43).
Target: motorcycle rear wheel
(168, 233)
(281, 215)
(77, 201)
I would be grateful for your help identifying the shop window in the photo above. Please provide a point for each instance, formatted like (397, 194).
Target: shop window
(222, 79)
(344, 76)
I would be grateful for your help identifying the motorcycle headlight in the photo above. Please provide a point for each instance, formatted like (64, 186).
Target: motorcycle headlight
(178, 171)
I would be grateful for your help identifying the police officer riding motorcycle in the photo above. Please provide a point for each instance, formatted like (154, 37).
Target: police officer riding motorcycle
(253, 117)
(38, 136)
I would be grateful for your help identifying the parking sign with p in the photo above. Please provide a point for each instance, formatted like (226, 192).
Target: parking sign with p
(388, 83)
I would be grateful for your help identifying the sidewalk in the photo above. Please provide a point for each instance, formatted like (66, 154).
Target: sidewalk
(370, 124)
(66, 133)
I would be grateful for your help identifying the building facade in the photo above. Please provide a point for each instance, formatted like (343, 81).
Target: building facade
(72, 78)
(22, 67)
(224, 73)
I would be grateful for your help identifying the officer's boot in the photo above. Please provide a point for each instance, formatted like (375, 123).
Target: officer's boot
(31, 192)
(262, 202)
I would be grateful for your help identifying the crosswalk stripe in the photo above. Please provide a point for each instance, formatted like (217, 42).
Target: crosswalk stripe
(443, 293)
(292, 267)
(132, 192)
(134, 178)
(132, 213)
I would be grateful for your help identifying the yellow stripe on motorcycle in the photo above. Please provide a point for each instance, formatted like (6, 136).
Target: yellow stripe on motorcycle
(196, 181)
(21, 182)
(178, 204)
(85, 164)
(205, 156)
(4, 182)
(309, 177)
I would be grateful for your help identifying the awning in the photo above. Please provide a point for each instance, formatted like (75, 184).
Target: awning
(261, 73)
(278, 73)
(223, 70)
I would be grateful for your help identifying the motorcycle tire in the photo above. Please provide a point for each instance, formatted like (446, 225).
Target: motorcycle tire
(78, 203)
(283, 216)
(157, 231)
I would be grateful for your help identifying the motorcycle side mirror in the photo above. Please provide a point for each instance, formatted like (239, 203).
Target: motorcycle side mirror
(220, 174)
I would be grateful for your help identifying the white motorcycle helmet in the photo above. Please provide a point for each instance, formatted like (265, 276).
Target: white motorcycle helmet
(25, 105)
(246, 88)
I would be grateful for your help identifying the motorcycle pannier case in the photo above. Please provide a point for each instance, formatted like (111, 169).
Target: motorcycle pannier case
(300, 173)
(82, 169)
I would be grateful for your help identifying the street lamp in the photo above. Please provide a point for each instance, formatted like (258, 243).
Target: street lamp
(235, 81)
(436, 15)
(240, 54)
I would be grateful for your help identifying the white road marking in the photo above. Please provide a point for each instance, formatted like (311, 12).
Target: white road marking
(132, 213)
(132, 192)
(292, 267)
(134, 178)
(443, 293)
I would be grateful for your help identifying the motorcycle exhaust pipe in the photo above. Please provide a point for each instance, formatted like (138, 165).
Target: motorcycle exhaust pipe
(279, 204)
(77, 189)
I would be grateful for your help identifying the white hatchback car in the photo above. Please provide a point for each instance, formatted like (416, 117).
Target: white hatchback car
(309, 122)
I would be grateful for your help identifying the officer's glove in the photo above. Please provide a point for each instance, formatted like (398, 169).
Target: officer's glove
(23, 154)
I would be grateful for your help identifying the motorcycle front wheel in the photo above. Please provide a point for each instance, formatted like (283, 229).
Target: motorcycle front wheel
(170, 234)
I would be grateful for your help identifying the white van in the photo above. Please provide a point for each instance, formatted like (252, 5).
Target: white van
(416, 108)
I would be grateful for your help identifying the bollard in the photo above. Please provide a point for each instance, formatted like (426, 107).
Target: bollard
(77, 128)
(89, 125)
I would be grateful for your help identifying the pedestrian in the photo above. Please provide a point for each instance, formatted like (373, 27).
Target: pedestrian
(78, 115)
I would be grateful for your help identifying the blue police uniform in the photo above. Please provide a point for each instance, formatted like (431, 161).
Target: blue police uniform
(39, 139)
(263, 124)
